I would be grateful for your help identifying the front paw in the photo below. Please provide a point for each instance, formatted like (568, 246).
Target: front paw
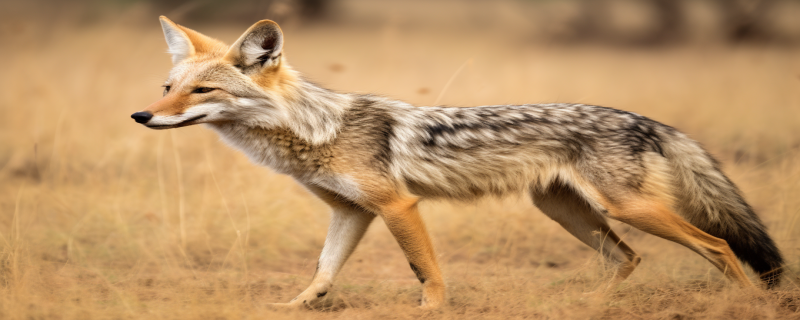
(433, 296)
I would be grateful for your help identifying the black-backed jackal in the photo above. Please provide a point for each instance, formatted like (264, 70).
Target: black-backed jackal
(368, 156)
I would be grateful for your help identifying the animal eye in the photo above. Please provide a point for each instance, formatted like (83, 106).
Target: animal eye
(203, 90)
(166, 89)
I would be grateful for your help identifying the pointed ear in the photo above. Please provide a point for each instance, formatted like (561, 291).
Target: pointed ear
(259, 47)
(184, 42)
(180, 47)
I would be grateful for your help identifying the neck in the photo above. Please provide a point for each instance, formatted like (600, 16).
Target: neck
(314, 114)
(289, 130)
(310, 113)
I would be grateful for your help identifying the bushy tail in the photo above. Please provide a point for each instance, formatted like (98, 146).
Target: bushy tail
(711, 202)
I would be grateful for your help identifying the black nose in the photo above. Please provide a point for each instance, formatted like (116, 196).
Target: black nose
(142, 117)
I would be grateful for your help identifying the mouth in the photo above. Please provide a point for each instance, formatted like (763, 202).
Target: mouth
(177, 125)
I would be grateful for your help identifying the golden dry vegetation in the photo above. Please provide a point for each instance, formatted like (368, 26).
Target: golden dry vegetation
(103, 218)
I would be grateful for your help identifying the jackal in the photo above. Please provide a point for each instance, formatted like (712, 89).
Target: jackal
(369, 156)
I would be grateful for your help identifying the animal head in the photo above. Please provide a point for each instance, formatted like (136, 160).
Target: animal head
(211, 82)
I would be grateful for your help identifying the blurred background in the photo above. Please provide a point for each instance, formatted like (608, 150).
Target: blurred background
(621, 22)
(103, 218)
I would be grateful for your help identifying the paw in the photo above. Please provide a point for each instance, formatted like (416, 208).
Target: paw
(432, 296)
(431, 303)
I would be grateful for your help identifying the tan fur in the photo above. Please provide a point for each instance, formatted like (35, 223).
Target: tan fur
(204, 45)
(177, 101)
(201, 44)
(658, 219)
(402, 217)
(279, 79)
(566, 207)
(169, 105)
(653, 211)
(306, 156)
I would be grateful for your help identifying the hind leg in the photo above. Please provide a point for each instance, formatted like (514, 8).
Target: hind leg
(563, 205)
(658, 219)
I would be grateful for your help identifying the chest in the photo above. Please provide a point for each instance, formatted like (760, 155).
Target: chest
(281, 150)
(284, 152)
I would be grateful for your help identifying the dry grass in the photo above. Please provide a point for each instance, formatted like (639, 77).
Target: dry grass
(101, 218)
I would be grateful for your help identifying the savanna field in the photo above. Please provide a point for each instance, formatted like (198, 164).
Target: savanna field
(102, 218)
